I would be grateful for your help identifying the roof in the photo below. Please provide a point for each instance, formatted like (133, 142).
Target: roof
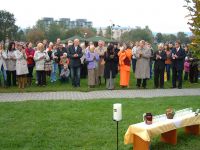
(98, 38)
(74, 37)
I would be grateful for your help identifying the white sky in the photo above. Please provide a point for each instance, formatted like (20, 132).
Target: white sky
(166, 16)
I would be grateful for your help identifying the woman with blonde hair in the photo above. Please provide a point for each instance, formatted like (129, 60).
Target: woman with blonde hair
(3, 67)
(40, 57)
(21, 65)
(83, 61)
(91, 57)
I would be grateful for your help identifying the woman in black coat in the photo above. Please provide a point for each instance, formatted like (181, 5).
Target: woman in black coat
(111, 61)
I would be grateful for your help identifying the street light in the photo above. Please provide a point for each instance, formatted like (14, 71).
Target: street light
(85, 34)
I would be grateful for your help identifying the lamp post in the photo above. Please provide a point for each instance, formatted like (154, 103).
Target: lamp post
(119, 28)
(111, 32)
(85, 34)
(117, 116)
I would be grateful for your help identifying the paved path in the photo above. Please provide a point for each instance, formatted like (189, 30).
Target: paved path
(11, 97)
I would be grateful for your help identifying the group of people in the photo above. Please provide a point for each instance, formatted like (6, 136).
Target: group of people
(97, 62)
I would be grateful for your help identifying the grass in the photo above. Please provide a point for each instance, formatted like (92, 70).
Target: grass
(58, 86)
(83, 125)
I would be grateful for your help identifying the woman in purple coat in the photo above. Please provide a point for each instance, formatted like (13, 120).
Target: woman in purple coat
(92, 59)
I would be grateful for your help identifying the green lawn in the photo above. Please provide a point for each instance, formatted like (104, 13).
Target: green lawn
(58, 86)
(83, 125)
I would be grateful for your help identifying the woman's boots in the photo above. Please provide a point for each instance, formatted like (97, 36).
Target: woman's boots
(22, 81)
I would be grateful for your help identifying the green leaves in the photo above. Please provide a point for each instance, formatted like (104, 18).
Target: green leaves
(193, 6)
(7, 25)
(138, 34)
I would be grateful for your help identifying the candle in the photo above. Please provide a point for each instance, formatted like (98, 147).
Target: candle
(117, 112)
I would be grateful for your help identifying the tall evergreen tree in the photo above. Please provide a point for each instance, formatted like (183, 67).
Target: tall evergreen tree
(193, 6)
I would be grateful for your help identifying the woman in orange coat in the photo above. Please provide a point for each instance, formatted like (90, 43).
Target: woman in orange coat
(125, 55)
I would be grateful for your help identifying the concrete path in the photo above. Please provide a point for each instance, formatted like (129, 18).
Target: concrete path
(147, 93)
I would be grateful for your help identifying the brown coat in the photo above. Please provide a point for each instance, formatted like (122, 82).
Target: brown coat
(101, 63)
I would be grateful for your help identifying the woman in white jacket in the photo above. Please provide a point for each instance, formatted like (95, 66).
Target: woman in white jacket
(11, 65)
(21, 66)
(3, 67)
(40, 57)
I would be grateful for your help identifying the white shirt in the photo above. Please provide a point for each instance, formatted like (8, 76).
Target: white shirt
(134, 52)
(75, 48)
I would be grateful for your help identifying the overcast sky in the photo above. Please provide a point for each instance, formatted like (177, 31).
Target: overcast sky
(166, 16)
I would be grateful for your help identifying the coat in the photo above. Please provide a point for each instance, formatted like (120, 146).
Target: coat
(74, 61)
(143, 63)
(160, 63)
(90, 59)
(186, 66)
(21, 63)
(3, 58)
(178, 63)
(30, 54)
(125, 66)
(110, 65)
(39, 63)
(11, 60)
(101, 64)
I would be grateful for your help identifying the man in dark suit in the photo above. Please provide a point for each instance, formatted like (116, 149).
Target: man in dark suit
(178, 57)
(159, 66)
(75, 53)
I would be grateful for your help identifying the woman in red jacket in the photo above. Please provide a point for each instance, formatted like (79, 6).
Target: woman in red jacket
(30, 61)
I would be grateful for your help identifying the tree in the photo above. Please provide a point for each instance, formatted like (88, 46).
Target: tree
(7, 25)
(41, 25)
(166, 38)
(20, 36)
(90, 32)
(183, 37)
(108, 33)
(100, 32)
(81, 32)
(34, 35)
(193, 6)
(159, 37)
(138, 34)
(55, 31)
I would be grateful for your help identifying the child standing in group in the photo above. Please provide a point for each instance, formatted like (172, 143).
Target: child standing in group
(64, 61)
(186, 68)
(64, 75)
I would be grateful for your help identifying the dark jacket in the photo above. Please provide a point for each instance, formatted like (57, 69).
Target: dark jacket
(160, 63)
(178, 63)
(110, 64)
(74, 61)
